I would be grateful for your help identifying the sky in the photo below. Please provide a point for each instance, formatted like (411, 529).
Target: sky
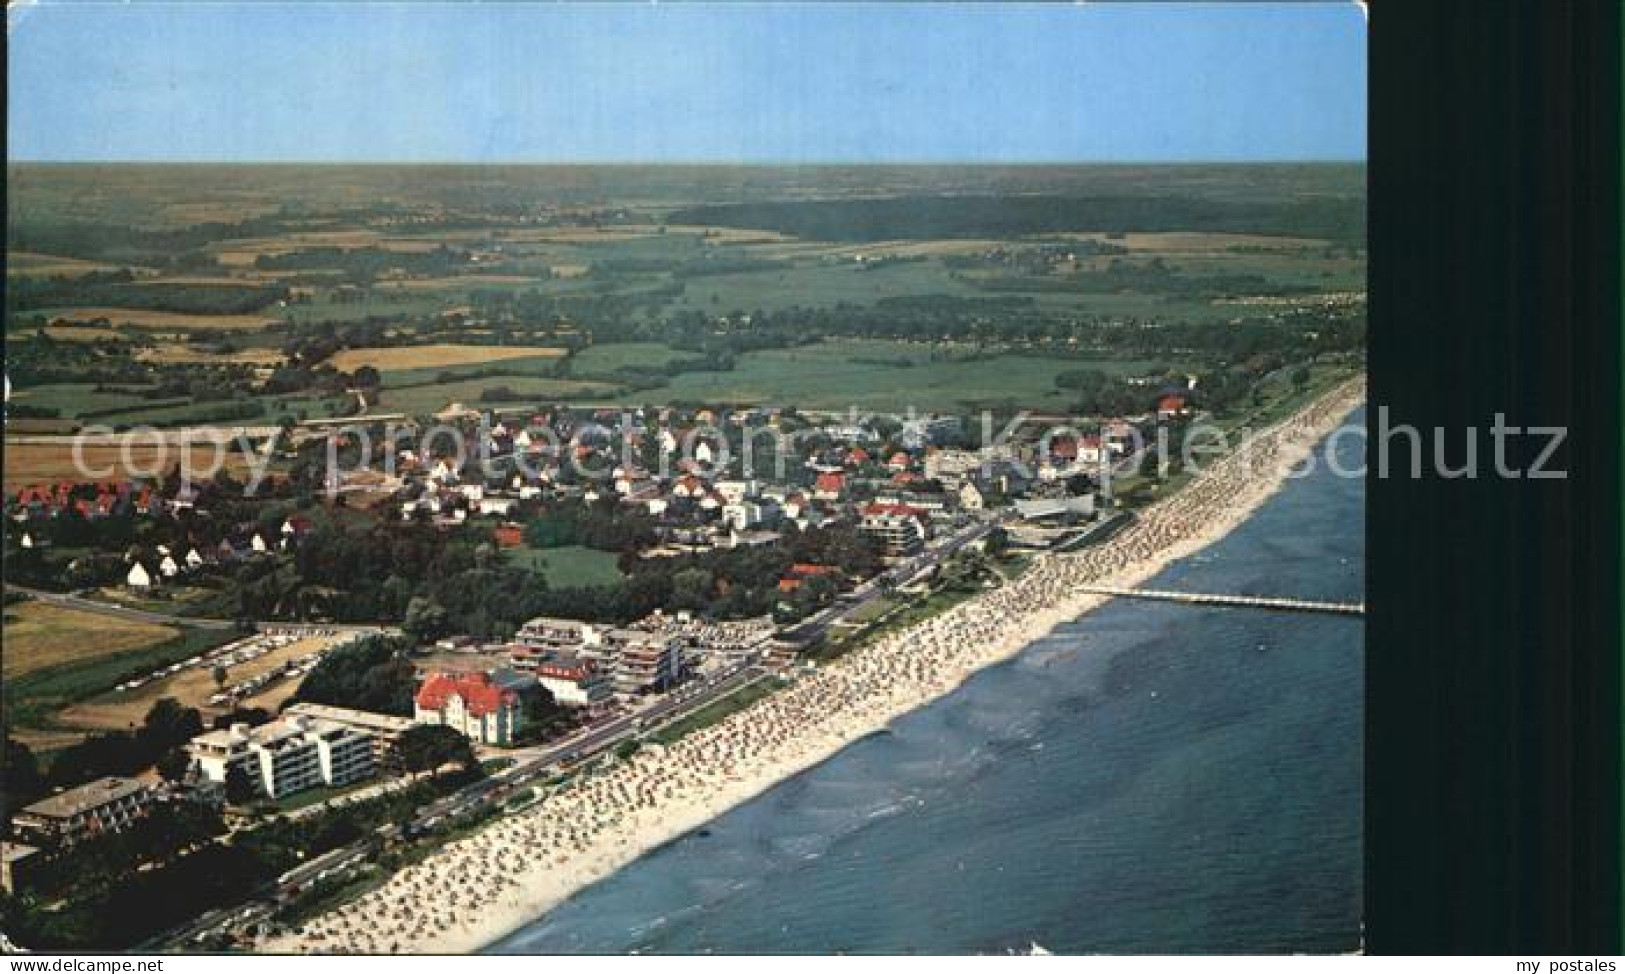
(685, 82)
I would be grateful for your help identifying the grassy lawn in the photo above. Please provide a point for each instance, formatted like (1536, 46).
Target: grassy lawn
(572, 566)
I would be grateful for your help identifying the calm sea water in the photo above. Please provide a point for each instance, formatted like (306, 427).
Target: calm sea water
(1152, 778)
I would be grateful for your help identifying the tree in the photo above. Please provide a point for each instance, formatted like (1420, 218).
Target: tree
(22, 781)
(425, 620)
(240, 788)
(174, 763)
(168, 724)
(219, 673)
(429, 747)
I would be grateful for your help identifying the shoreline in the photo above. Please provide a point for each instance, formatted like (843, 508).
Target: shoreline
(474, 891)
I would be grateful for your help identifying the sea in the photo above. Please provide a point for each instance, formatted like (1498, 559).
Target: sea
(1153, 778)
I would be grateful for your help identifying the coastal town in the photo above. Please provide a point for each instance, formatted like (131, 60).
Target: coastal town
(907, 557)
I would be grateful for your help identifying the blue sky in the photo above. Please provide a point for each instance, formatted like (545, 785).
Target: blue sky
(686, 82)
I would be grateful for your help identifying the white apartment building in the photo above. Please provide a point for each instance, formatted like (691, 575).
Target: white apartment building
(287, 756)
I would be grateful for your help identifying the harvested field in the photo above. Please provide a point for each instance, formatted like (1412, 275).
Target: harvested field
(33, 463)
(432, 356)
(38, 635)
(179, 354)
(82, 333)
(461, 280)
(24, 264)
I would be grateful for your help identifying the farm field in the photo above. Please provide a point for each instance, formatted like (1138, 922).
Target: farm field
(39, 635)
(521, 390)
(598, 359)
(37, 463)
(572, 566)
(437, 356)
(838, 375)
(76, 398)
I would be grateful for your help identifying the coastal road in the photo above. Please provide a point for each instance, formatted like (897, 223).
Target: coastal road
(818, 625)
(586, 743)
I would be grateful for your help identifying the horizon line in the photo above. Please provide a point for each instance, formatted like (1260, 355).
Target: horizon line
(695, 163)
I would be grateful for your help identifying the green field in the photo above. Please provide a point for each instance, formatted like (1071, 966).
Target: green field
(599, 359)
(569, 567)
(838, 374)
(76, 399)
(426, 399)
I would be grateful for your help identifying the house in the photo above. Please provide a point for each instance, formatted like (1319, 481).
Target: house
(829, 486)
(508, 536)
(138, 577)
(498, 506)
(286, 756)
(169, 568)
(971, 497)
(193, 559)
(472, 704)
(1171, 406)
(257, 544)
(105, 805)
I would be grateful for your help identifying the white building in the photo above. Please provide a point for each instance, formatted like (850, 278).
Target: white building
(138, 577)
(573, 680)
(287, 756)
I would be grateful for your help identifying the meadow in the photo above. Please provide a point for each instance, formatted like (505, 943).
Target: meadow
(572, 566)
(38, 635)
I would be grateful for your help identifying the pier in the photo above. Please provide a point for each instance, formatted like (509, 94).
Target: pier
(1229, 601)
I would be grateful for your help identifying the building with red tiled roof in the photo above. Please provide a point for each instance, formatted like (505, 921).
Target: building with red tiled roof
(472, 704)
(1172, 406)
(829, 486)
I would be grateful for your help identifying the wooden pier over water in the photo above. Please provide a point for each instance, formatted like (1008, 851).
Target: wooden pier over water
(1230, 601)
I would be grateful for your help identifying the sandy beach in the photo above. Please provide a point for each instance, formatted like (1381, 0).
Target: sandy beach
(476, 890)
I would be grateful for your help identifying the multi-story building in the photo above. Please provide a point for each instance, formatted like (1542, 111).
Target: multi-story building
(546, 632)
(647, 661)
(287, 756)
(900, 530)
(385, 730)
(573, 680)
(473, 704)
(105, 805)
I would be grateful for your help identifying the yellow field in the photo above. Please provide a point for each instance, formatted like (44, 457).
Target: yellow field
(219, 211)
(143, 318)
(38, 635)
(430, 356)
(38, 463)
(192, 687)
(80, 333)
(20, 263)
(436, 283)
(1192, 243)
